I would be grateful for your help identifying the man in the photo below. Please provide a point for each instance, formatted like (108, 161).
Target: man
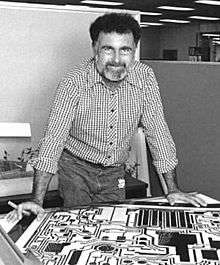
(96, 111)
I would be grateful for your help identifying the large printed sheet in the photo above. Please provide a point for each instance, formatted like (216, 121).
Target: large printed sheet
(126, 234)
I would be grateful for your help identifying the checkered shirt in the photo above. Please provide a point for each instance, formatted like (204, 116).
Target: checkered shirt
(97, 124)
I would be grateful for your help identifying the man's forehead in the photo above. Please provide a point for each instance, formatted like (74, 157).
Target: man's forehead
(115, 33)
(111, 36)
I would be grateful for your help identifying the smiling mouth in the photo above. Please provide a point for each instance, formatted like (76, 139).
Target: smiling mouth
(115, 66)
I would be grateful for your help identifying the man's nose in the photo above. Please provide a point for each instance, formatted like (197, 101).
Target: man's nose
(116, 57)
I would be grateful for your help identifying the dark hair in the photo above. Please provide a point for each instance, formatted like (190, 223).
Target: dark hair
(115, 22)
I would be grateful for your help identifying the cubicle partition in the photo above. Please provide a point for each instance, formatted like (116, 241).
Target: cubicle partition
(191, 97)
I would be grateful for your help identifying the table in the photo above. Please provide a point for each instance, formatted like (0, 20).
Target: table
(136, 232)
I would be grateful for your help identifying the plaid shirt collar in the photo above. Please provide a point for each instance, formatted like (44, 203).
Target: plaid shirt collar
(93, 76)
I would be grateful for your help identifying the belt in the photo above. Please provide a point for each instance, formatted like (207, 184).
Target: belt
(94, 165)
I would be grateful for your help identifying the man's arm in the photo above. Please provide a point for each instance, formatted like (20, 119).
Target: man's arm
(161, 143)
(175, 194)
(40, 185)
(59, 124)
(171, 181)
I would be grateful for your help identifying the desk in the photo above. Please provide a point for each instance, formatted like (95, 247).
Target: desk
(135, 232)
(162, 199)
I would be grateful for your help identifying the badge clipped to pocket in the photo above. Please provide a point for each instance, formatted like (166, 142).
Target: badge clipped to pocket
(121, 183)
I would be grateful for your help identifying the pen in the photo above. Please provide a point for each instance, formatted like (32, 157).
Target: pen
(13, 205)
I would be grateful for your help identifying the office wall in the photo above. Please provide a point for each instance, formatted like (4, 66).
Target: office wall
(177, 37)
(191, 95)
(38, 44)
(150, 44)
(180, 37)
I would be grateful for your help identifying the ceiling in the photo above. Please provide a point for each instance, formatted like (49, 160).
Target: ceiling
(151, 6)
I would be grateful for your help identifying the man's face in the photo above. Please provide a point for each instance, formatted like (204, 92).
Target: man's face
(114, 53)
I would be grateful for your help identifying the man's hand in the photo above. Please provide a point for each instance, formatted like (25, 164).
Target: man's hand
(175, 195)
(30, 207)
(191, 198)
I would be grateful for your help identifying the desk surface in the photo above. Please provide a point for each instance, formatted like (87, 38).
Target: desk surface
(144, 202)
(145, 232)
(206, 198)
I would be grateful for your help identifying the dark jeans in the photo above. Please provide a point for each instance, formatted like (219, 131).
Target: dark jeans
(82, 182)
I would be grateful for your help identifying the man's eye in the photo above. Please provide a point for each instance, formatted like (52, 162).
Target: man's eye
(126, 50)
(107, 49)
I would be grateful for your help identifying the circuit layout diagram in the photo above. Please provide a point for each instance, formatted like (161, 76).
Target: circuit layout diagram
(121, 235)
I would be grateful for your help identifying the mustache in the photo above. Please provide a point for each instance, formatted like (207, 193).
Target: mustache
(115, 64)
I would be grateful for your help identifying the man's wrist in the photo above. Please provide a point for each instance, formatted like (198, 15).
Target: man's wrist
(40, 185)
(172, 192)
(171, 181)
(37, 201)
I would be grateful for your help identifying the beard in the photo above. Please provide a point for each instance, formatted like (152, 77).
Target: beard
(114, 71)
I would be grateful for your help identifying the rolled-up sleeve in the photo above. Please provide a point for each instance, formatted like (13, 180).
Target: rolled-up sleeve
(59, 124)
(156, 130)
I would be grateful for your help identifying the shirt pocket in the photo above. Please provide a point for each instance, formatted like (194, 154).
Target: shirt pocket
(90, 116)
